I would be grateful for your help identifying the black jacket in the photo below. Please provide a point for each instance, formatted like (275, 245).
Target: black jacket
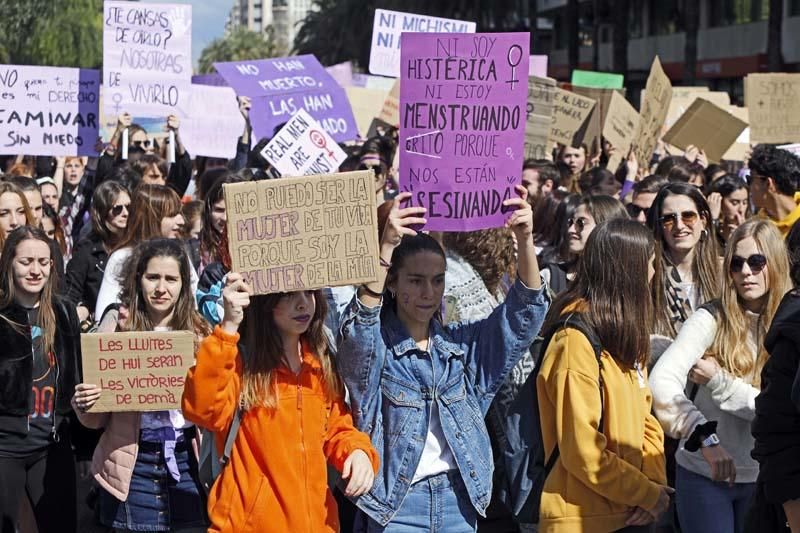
(85, 272)
(776, 426)
(16, 365)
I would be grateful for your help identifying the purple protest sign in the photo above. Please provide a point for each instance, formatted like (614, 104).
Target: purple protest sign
(463, 101)
(281, 87)
(209, 79)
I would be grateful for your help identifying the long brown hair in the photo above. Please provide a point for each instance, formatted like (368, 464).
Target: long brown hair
(611, 281)
(105, 196)
(211, 239)
(47, 315)
(730, 343)
(149, 205)
(490, 252)
(184, 314)
(263, 349)
(7, 186)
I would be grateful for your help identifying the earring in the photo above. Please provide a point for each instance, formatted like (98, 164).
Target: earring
(392, 293)
(703, 235)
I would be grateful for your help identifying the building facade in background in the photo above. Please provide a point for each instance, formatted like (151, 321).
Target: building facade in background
(283, 16)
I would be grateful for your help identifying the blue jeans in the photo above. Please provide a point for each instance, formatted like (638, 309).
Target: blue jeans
(706, 506)
(437, 504)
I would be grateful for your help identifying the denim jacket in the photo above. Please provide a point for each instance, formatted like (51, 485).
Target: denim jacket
(392, 384)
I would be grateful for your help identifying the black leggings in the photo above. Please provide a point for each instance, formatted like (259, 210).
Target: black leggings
(48, 480)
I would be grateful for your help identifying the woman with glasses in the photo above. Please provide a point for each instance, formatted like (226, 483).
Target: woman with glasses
(717, 357)
(111, 205)
(681, 222)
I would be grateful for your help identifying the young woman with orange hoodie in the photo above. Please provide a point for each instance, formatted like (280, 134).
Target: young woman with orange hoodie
(270, 357)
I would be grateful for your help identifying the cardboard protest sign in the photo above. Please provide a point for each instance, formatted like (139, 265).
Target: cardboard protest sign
(773, 101)
(593, 127)
(570, 113)
(597, 80)
(281, 87)
(303, 148)
(541, 97)
(738, 149)
(384, 55)
(707, 127)
(137, 370)
(619, 128)
(682, 100)
(653, 113)
(366, 104)
(463, 102)
(537, 66)
(214, 122)
(293, 234)
(391, 106)
(48, 110)
(147, 58)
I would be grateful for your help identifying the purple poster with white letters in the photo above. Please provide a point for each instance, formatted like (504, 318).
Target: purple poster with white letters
(281, 87)
(463, 100)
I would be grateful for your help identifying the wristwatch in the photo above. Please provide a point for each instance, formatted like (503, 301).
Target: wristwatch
(711, 440)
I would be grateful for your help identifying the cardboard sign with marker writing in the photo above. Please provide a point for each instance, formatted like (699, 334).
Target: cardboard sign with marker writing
(296, 234)
(303, 148)
(137, 370)
(593, 127)
(541, 95)
(681, 103)
(619, 128)
(653, 113)
(773, 101)
(570, 112)
(391, 106)
(707, 127)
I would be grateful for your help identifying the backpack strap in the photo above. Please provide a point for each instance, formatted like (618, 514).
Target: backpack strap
(575, 321)
(231, 437)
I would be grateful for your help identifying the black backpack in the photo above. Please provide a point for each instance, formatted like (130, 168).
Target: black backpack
(524, 454)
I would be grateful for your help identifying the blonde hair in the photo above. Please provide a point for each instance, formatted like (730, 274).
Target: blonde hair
(730, 347)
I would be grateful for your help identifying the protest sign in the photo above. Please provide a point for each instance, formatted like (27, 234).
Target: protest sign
(619, 128)
(384, 55)
(570, 112)
(147, 58)
(537, 66)
(214, 122)
(390, 112)
(541, 96)
(366, 104)
(302, 148)
(209, 79)
(137, 370)
(293, 234)
(597, 80)
(373, 82)
(773, 101)
(706, 126)
(342, 73)
(48, 110)
(279, 88)
(738, 150)
(682, 100)
(463, 100)
(593, 127)
(653, 113)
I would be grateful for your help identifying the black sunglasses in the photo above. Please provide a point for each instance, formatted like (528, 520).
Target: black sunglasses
(580, 223)
(139, 144)
(634, 210)
(117, 209)
(756, 262)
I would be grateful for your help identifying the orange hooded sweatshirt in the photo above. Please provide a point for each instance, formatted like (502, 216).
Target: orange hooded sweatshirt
(277, 476)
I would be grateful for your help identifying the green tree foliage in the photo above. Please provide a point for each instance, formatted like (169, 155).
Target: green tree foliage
(66, 33)
(239, 45)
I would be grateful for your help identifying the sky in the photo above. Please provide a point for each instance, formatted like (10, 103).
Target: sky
(208, 21)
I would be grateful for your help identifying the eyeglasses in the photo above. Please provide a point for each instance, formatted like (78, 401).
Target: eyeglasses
(117, 209)
(689, 218)
(139, 144)
(579, 223)
(634, 210)
(756, 262)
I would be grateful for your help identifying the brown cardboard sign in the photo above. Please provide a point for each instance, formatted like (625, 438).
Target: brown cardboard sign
(773, 101)
(570, 112)
(619, 128)
(707, 127)
(390, 112)
(541, 95)
(682, 100)
(653, 113)
(738, 149)
(594, 124)
(294, 234)
(137, 370)
(366, 105)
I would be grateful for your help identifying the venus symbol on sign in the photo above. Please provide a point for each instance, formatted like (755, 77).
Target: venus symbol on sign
(514, 50)
(319, 140)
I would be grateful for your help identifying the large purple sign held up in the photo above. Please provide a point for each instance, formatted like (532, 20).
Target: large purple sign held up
(463, 104)
(281, 87)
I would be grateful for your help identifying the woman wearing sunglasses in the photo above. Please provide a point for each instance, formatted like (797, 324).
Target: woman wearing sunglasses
(681, 222)
(717, 357)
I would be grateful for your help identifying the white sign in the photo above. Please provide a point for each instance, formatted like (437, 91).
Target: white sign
(48, 110)
(384, 56)
(214, 123)
(147, 58)
(303, 148)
